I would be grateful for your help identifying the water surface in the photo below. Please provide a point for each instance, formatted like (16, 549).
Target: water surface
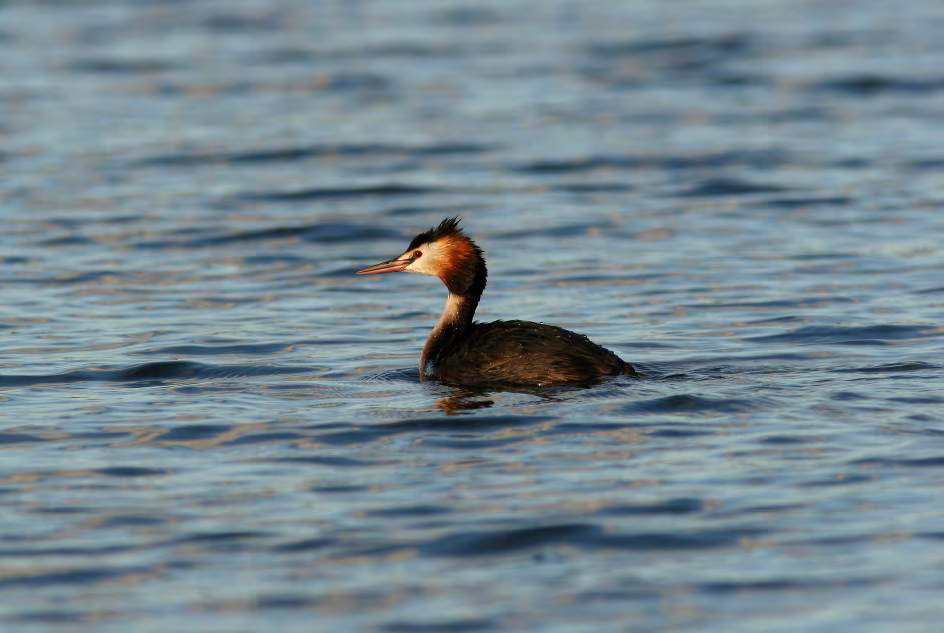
(210, 424)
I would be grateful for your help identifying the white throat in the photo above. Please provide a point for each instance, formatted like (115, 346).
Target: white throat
(449, 316)
(450, 312)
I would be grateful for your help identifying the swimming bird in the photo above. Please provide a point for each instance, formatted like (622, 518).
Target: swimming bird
(462, 352)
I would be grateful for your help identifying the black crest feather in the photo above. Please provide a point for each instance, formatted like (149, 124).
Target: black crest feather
(449, 226)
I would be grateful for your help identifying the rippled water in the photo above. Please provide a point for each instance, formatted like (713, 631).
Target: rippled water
(210, 424)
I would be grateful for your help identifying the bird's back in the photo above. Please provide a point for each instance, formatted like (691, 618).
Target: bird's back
(526, 353)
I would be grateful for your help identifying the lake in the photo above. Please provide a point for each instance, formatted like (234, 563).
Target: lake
(210, 424)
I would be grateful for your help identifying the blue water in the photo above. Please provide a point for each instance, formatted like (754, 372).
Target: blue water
(210, 424)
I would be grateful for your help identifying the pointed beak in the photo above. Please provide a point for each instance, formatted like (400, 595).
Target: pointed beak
(389, 266)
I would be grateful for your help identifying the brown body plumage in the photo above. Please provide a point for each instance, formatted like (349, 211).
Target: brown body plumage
(462, 352)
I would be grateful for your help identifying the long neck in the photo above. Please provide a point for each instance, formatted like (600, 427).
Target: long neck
(453, 324)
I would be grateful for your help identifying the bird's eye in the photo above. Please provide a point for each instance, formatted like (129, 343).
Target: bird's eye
(417, 254)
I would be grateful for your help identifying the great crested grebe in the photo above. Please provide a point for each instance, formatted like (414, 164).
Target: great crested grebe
(462, 352)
